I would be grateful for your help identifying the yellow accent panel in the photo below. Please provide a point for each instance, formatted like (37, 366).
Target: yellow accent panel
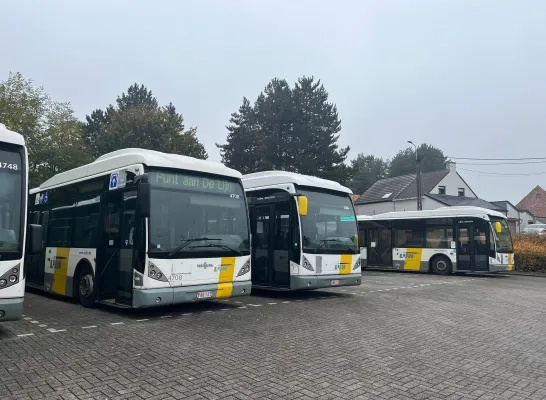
(510, 262)
(346, 264)
(412, 262)
(227, 269)
(60, 265)
(224, 290)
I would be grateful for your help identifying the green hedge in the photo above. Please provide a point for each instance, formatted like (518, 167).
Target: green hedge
(530, 253)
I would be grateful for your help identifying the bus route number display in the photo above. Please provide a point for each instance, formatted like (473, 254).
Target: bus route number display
(188, 182)
(12, 166)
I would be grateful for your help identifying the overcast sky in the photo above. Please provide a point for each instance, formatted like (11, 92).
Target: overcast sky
(467, 76)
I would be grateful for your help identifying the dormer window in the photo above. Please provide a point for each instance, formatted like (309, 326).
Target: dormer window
(461, 192)
(441, 190)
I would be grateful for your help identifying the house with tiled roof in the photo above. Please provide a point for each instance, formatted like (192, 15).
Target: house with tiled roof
(535, 203)
(518, 219)
(439, 189)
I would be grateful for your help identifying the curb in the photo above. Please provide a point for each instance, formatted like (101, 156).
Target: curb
(535, 274)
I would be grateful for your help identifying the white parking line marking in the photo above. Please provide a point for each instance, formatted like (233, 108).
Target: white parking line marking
(53, 330)
(25, 334)
(209, 312)
(89, 327)
(117, 323)
(27, 318)
(225, 309)
(285, 302)
(242, 307)
(145, 319)
(42, 325)
(255, 305)
(166, 316)
(34, 322)
(188, 313)
(271, 304)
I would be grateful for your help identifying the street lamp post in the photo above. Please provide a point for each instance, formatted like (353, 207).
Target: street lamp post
(418, 162)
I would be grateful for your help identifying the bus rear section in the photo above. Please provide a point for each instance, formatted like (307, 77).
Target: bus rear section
(150, 229)
(304, 232)
(458, 239)
(13, 196)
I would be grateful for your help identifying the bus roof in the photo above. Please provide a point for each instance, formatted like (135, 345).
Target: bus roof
(12, 137)
(442, 212)
(270, 178)
(126, 157)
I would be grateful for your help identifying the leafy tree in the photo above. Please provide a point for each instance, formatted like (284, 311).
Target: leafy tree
(432, 159)
(52, 133)
(292, 129)
(137, 120)
(366, 170)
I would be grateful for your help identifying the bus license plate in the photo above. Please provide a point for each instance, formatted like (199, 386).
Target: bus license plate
(335, 282)
(204, 295)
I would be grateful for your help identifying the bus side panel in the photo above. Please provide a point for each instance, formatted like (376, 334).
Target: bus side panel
(60, 266)
(418, 259)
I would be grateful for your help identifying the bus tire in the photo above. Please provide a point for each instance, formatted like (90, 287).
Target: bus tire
(85, 285)
(441, 265)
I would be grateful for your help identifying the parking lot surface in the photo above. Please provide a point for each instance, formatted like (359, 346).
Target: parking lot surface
(397, 336)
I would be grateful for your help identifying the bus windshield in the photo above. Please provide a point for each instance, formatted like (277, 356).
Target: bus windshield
(11, 179)
(503, 239)
(330, 224)
(197, 214)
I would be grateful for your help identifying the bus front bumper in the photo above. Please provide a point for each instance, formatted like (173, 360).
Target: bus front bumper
(11, 309)
(189, 294)
(303, 282)
(501, 268)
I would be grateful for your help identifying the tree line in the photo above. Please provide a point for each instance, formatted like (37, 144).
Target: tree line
(293, 128)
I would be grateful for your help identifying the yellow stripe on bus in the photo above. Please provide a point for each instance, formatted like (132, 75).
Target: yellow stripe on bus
(412, 262)
(60, 271)
(225, 280)
(346, 262)
(510, 262)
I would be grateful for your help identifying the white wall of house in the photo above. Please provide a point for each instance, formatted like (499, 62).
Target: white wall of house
(452, 183)
(399, 205)
(526, 219)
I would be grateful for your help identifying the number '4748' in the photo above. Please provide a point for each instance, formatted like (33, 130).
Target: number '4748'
(4, 165)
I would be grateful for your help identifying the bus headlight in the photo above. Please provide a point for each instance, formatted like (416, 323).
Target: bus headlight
(306, 264)
(12, 279)
(155, 273)
(357, 264)
(245, 269)
(3, 282)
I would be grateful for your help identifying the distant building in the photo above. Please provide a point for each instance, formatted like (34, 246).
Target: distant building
(517, 219)
(439, 189)
(535, 203)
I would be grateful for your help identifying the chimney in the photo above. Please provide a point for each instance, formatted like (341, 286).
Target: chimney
(451, 166)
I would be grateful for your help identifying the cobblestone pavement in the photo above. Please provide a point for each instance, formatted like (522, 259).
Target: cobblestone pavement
(397, 336)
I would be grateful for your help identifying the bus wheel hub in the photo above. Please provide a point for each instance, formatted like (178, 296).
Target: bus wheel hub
(86, 285)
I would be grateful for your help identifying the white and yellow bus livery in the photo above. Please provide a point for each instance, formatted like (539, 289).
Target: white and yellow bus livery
(139, 228)
(304, 232)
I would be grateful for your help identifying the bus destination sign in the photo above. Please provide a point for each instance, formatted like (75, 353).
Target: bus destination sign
(195, 183)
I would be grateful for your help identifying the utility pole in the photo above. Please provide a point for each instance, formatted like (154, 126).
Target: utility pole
(418, 178)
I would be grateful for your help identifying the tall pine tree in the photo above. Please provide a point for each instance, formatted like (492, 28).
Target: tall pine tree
(292, 129)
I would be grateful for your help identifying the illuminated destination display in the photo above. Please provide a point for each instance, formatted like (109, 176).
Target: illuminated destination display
(194, 183)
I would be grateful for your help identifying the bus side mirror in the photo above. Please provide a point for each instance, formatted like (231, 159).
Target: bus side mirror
(34, 239)
(498, 227)
(302, 205)
(144, 194)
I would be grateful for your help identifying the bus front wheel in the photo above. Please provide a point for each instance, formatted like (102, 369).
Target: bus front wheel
(86, 287)
(441, 265)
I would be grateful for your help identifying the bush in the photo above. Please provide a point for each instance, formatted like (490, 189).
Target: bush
(530, 253)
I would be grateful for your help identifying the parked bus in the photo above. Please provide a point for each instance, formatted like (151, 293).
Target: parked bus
(441, 241)
(304, 232)
(139, 228)
(13, 208)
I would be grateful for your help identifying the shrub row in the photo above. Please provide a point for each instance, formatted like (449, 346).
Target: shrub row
(530, 253)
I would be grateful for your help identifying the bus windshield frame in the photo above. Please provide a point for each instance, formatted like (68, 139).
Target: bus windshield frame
(12, 198)
(503, 240)
(196, 215)
(330, 226)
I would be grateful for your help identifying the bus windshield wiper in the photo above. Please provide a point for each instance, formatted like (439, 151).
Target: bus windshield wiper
(324, 241)
(185, 242)
(221, 246)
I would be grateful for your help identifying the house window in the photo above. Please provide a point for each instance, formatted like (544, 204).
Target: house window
(441, 190)
(461, 192)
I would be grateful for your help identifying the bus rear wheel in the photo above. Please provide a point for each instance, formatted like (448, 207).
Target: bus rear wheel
(441, 265)
(86, 287)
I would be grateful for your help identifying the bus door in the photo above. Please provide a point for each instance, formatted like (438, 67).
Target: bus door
(271, 239)
(115, 253)
(36, 262)
(380, 247)
(472, 246)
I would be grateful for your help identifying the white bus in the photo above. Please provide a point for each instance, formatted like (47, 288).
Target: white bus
(139, 228)
(13, 208)
(304, 232)
(441, 241)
